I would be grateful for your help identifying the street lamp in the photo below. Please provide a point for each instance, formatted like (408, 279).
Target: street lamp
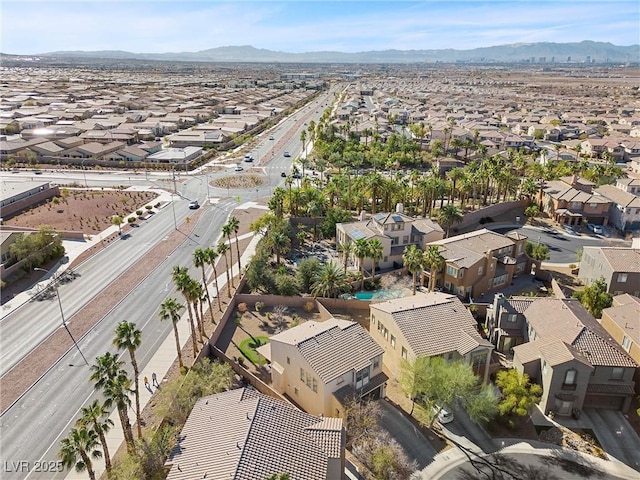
(64, 324)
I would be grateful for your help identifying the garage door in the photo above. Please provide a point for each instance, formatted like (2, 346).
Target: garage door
(609, 402)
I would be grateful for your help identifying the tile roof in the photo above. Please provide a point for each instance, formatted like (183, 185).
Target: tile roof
(616, 195)
(622, 259)
(434, 323)
(244, 435)
(332, 347)
(602, 352)
(625, 313)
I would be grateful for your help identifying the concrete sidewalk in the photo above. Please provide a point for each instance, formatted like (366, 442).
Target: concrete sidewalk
(160, 364)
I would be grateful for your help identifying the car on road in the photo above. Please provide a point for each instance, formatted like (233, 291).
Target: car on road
(549, 231)
(444, 415)
(193, 204)
(238, 168)
(283, 174)
(569, 229)
(595, 228)
(287, 154)
(271, 137)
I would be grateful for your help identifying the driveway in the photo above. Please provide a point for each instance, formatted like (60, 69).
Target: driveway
(616, 436)
(468, 434)
(415, 445)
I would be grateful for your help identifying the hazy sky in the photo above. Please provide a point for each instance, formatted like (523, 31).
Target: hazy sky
(30, 27)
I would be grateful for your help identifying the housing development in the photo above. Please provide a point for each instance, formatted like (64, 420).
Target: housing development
(319, 271)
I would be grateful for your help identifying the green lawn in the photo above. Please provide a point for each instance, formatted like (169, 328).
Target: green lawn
(248, 348)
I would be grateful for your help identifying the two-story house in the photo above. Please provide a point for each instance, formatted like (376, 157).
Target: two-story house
(481, 262)
(624, 212)
(574, 359)
(622, 321)
(506, 323)
(396, 231)
(569, 203)
(319, 365)
(619, 266)
(431, 324)
(242, 434)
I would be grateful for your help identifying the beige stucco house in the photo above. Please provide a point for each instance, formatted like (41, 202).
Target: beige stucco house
(431, 324)
(319, 365)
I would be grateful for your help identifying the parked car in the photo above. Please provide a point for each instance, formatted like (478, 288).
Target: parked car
(444, 416)
(569, 229)
(287, 154)
(595, 228)
(193, 204)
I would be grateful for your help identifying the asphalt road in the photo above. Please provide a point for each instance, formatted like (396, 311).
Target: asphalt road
(33, 426)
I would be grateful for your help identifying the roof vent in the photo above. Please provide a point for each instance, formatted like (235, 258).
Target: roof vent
(239, 445)
(248, 416)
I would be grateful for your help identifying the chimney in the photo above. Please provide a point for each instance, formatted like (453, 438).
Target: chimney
(399, 208)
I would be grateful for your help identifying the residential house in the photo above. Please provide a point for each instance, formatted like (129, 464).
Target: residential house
(574, 359)
(481, 262)
(244, 435)
(622, 321)
(624, 209)
(619, 266)
(505, 322)
(319, 365)
(431, 324)
(568, 203)
(93, 150)
(396, 231)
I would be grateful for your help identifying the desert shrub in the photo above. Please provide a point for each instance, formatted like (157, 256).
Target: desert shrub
(138, 212)
(242, 307)
(148, 207)
(309, 306)
(259, 306)
(131, 219)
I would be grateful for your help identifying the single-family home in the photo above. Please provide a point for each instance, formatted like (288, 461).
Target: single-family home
(574, 359)
(569, 204)
(619, 266)
(431, 324)
(320, 365)
(624, 209)
(244, 435)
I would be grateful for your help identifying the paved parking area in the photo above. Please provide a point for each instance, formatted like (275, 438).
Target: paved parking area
(616, 436)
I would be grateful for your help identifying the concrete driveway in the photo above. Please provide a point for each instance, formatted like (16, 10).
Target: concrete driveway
(468, 434)
(616, 436)
(415, 445)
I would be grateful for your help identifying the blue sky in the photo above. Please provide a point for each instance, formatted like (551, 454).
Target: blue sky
(30, 27)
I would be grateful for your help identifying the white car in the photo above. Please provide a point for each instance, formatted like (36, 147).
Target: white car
(238, 168)
(595, 228)
(445, 416)
(194, 204)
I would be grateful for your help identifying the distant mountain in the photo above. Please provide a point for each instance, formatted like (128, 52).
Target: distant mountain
(585, 51)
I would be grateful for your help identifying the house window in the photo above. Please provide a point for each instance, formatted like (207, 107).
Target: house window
(569, 380)
(512, 318)
(617, 373)
(626, 343)
(461, 275)
(544, 367)
(405, 239)
(622, 277)
(295, 390)
(302, 374)
(394, 240)
(404, 353)
(362, 377)
(452, 271)
(373, 320)
(376, 362)
(315, 385)
(393, 341)
(480, 270)
(386, 334)
(385, 259)
(308, 380)
(380, 326)
(288, 361)
(520, 248)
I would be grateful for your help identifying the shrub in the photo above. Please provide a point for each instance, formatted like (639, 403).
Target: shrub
(309, 306)
(242, 307)
(148, 207)
(138, 212)
(259, 306)
(131, 219)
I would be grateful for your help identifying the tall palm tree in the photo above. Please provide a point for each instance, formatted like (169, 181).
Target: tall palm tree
(223, 248)
(182, 281)
(116, 392)
(194, 293)
(345, 249)
(96, 418)
(278, 242)
(170, 310)
(448, 215)
(200, 260)
(128, 337)
(211, 255)
(78, 449)
(106, 367)
(376, 251)
(234, 224)
(433, 260)
(361, 250)
(226, 231)
(412, 258)
(330, 281)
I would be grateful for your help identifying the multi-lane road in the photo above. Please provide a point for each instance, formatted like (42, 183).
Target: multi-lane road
(33, 426)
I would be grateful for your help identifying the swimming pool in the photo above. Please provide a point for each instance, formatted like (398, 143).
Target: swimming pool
(382, 294)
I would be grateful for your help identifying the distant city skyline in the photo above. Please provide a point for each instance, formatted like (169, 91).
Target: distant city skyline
(156, 26)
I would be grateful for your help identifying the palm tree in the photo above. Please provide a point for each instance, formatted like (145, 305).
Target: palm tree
(278, 242)
(330, 281)
(200, 260)
(345, 249)
(78, 449)
(170, 310)
(361, 250)
(223, 248)
(128, 338)
(433, 260)
(116, 392)
(194, 293)
(106, 367)
(96, 417)
(448, 215)
(211, 255)
(412, 258)
(182, 280)
(234, 224)
(376, 251)
(303, 140)
(226, 231)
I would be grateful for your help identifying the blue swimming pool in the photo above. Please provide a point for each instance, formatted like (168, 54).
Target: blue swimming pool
(382, 294)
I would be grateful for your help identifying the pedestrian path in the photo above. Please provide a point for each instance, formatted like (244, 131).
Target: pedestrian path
(160, 364)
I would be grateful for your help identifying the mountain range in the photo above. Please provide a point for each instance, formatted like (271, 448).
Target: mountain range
(547, 52)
